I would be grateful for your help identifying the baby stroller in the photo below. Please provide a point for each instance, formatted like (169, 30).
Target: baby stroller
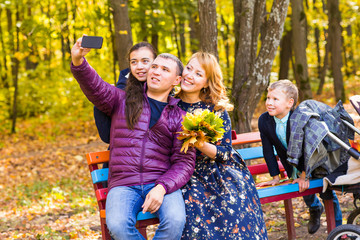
(351, 230)
(319, 141)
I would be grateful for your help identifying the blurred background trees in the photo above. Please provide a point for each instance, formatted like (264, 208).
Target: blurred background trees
(314, 43)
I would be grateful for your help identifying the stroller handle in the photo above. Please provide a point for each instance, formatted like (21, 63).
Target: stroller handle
(351, 151)
(354, 153)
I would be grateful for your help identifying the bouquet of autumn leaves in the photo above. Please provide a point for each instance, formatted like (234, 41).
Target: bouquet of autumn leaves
(200, 127)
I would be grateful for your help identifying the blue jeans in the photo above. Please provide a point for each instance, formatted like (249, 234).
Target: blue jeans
(124, 203)
(313, 202)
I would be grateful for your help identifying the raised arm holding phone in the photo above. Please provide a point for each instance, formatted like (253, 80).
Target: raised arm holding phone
(146, 168)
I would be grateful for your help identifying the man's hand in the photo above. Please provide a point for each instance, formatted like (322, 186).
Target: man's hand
(154, 199)
(275, 181)
(78, 52)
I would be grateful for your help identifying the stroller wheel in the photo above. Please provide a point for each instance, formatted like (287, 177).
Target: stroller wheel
(347, 231)
(354, 217)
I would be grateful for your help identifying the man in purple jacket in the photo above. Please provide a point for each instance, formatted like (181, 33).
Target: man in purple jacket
(146, 168)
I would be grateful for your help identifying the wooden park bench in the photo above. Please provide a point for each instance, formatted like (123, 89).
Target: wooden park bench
(283, 192)
(286, 190)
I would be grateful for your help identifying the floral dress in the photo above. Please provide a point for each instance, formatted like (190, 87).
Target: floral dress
(220, 198)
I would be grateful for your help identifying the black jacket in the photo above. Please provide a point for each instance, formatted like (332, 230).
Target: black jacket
(267, 128)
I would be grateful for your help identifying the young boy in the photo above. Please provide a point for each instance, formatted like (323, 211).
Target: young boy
(274, 130)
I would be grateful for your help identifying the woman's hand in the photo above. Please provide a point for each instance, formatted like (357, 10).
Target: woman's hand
(78, 52)
(208, 149)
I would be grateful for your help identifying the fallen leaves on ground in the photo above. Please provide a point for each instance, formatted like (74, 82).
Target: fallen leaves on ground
(46, 190)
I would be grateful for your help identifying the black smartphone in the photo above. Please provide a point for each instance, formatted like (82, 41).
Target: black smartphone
(91, 42)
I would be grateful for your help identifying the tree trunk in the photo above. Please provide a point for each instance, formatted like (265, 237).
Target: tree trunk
(335, 48)
(351, 50)
(65, 33)
(317, 41)
(299, 40)
(73, 15)
(317, 37)
(252, 70)
(48, 53)
(194, 33)
(225, 36)
(154, 25)
(3, 72)
(182, 38)
(175, 33)
(123, 37)
(325, 64)
(112, 40)
(237, 13)
(285, 55)
(208, 23)
(15, 64)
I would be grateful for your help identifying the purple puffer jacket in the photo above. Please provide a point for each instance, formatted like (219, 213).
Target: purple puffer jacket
(143, 155)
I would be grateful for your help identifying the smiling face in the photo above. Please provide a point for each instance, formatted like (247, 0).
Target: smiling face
(277, 103)
(162, 76)
(140, 62)
(193, 78)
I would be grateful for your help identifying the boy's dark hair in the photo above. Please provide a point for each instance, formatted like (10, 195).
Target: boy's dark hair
(134, 89)
(290, 89)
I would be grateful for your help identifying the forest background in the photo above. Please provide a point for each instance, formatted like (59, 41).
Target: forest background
(46, 121)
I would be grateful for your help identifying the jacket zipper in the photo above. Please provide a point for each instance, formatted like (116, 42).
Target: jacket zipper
(143, 148)
(144, 141)
(142, 157)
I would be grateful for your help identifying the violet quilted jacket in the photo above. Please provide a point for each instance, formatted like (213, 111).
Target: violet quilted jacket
(143, 155)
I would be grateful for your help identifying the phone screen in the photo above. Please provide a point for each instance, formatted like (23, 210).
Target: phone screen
(91, 42)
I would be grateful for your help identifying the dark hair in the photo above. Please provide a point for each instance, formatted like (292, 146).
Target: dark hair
(180, 65)
(134, 89)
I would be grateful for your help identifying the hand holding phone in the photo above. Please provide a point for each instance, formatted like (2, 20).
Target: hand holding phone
(91, 42)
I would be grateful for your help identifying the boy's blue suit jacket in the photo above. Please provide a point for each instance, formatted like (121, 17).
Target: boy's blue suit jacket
(267, 128)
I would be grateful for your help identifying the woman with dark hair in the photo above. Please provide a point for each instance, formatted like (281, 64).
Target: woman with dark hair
(132, 79)
(221, 200)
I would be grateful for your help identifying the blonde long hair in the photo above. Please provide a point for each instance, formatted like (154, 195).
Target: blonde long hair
(215, 93)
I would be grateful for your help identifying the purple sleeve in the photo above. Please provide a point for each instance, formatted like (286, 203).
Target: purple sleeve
(102, 94)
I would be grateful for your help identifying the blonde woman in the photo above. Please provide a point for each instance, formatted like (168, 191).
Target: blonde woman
(221, 199)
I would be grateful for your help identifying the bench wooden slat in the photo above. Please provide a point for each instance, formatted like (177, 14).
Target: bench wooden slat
(289, 195)
(246, 138)
(101, 194)
(100, 175)
(139, 217)
(251, 153)
(262, 168)
(97, 157)
(287, 188)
